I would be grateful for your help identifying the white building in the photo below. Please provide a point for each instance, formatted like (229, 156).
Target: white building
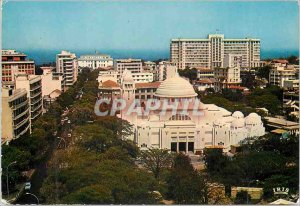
(66, 63)
(214, 126)
(166, 70)
(33, 85)
(108, 75)
(95, 61)
(204, 84)
(133, 65)
(52, 84)
(15, 114)
(143, 77)
(205, 73)
(209, 53)
(280, 73)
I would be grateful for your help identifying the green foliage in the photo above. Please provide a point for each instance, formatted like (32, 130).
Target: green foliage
(185, 184)
(156, 160)
(191, 74)
(271, 159)
(263, 72)
(214, 159)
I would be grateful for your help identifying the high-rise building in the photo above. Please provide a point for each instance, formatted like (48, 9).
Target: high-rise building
(33, 85)
(67, 64)
(95, 61)
(52, 85)
(15, 114)
(132, 65)
(209, 53)
(14, 63)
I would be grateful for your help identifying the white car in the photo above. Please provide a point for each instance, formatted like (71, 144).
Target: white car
(69, 121)
(69, 135)
(27, 186)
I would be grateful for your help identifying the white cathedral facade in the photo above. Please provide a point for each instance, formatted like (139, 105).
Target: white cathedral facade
(215, 127)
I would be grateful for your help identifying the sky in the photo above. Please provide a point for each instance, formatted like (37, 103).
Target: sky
(144, 26)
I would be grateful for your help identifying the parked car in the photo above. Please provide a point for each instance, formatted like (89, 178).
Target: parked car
(69, 135)
(27, 186)
(69, 121)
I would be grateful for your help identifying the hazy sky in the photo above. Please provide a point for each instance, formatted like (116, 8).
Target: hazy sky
(145, 25)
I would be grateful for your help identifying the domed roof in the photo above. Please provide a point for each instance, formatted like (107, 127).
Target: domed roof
(238, 114)
(238, 123)
(252, 120)
(176, 87)
(254, 115)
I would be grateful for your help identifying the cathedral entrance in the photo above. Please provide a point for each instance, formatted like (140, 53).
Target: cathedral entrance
(191, 146)
(182, 146)
(174, 147)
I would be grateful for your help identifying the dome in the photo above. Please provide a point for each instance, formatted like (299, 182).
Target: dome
(253, 119)
(254, 115)
(176, 87)
(238, 114)
(238, 123)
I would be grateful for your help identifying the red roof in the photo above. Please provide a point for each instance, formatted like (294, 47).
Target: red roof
(282, 61)
(147, 85)
(109, 84)
(206, 81)
(236, 87)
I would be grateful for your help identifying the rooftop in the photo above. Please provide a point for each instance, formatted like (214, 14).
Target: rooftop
(147, 85)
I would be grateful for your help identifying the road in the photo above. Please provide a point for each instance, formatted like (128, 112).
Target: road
(41, 170)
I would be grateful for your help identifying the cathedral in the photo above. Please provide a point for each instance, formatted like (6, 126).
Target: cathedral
(184, 131)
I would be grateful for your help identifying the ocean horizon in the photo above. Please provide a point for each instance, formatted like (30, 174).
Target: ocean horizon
(48, 56)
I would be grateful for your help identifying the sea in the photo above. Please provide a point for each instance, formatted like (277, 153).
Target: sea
(47, 56)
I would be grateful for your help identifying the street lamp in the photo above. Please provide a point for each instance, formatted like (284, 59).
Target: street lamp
(248, 187)
(14, 162)
(38, 201)
(63, 140)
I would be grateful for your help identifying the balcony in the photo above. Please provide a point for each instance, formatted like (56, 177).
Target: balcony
(21, 123)
(21, 114)
(35, 87)
(20, 105)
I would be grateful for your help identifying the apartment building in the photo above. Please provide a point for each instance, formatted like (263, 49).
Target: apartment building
(143, 77)
(227, 77)
(205, 73)
(33, 85)
(144, 91)
(67, 64)
(165, 70)
(15, 114)
(132, 65)
(280, 73)
(209, 53)
(14, 63)
(95, 61)
(107, 75)
(52, 85)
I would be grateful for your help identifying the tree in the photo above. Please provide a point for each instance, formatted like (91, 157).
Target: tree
(293, 59)
(156, 160)
(242, 197)
(185, 184)
(263, 72)
(214, 159)
(191, 74)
